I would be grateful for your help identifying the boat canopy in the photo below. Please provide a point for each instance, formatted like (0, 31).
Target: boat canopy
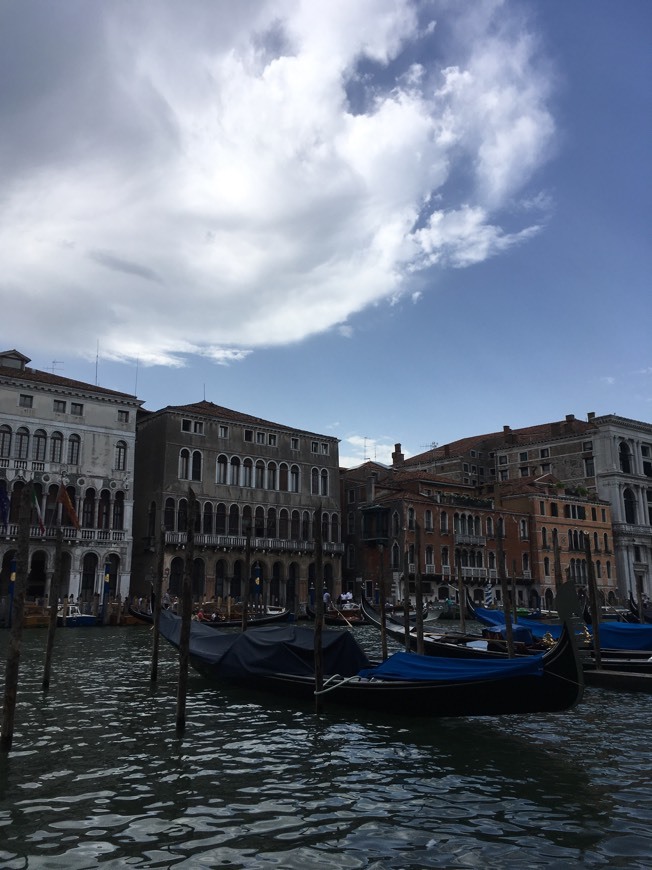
(408, 666)
(268, 649)
(625, 635)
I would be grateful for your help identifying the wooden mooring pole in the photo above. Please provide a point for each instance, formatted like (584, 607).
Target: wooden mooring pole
(418, 591)
(53, 603)
(158, 590)
(17, 616)
(509, 634)
(319, 608)
(186, 613)
(594, 603)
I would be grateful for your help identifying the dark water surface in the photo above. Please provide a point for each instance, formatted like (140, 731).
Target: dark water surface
(97, 775)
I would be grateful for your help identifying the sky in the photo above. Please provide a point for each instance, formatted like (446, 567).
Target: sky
(384, 221)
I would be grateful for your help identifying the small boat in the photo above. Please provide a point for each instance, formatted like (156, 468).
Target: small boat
(647, 610)
(220, 618)
(74, 618)
(280, 659)
(622, 681)
(342, 615)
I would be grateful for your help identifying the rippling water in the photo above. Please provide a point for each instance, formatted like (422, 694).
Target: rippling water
(97, 776)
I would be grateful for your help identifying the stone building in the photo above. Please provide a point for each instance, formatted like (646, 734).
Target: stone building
(607, 457)
(57, 432)
(257, 484)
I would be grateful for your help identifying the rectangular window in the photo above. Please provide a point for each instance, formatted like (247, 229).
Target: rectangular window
(546, 468)
(223, 431)
(271, 439)
(589, 468)
(603, 514)
(587, 445)
(59, 406)
(465, 467)
(504, 474)
(260, 437)
(525, 471)
(249, 435)
(198, 428)
(502, 460)
(123, 416)
(77, 409)
(186, 425)
(544, 453)
(554, 510)
(294, 443)
(542, 508)
(314, 447)
(324, 448)
(522, 457)
(25, 401)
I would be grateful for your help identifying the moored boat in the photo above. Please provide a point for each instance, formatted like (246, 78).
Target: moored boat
(280, 659)
(71, 616)
(342, 615)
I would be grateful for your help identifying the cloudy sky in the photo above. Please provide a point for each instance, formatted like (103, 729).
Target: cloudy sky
(382, 220)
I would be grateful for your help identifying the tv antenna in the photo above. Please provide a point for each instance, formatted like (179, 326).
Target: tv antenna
(55, 363)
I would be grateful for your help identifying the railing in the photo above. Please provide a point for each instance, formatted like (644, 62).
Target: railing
(70, 534)
(430, 569)
(230, 542)
(470, 540)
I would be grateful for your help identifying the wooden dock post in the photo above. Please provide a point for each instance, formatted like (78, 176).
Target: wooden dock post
(186, 613)
(53, 602)
(319, 608)
(158, 589)
(383, 604)
(418, 591)
(17, 616)
(594, 603)
(509, 634)
(246, 581)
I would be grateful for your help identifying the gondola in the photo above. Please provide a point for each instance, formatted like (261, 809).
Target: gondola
(491, 644)
(280, 659)
(647, 611)
(253, 618)
(342, 616)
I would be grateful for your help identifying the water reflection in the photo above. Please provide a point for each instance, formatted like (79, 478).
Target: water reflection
(98, 775)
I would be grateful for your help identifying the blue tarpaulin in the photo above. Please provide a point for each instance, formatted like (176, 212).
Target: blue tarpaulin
(409, 666)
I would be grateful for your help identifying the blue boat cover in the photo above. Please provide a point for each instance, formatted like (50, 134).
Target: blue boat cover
(625, 635)
(409, 666)
(267, 649)
(537, 627)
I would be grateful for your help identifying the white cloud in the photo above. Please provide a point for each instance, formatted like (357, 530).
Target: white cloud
(209, 183)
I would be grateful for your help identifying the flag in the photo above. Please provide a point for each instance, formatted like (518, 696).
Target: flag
(64, 499)
(4, 507)
(37, 508)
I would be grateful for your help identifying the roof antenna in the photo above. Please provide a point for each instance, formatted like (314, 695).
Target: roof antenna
(204, 392)
(97, 359)
(136, 381)
(55, 363)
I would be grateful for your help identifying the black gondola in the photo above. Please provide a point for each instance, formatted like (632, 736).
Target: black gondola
(339, 615)
(281, 660)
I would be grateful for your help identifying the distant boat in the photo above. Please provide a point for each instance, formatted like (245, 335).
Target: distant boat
(74, 618)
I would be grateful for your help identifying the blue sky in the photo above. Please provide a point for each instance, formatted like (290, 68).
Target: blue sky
(383, 221)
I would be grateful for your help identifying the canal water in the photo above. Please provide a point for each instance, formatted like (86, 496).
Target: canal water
(98, 777)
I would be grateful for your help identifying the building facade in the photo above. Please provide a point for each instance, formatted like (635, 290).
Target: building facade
(257, 485)
(607, 457)
(61, 434)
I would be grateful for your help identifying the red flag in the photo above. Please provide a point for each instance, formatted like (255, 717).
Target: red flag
(64, 499)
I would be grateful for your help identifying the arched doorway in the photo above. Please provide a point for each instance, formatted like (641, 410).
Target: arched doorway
(112, 569)
(36, 578)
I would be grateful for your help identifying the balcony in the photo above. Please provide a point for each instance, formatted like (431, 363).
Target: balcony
(239, 542)
(470, 540)
(70, 534)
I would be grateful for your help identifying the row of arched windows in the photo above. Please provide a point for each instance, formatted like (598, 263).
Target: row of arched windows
(41, 447)
(270, 522)
(253, 475)
(97, 510)
(463, 524)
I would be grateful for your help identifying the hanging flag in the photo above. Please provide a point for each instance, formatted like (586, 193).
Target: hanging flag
(64, 499)
(4, 507)
(37, 508)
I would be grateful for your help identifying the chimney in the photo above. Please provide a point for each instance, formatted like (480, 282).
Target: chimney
(590, 416)
(371, 488)
(507, 429)
(570, 418)
(397, 457)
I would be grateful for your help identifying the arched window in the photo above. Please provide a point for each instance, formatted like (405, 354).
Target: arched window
(74, 444)
(5, 442)
(490, 527)
(324, 527)
(222, 465)
(283, 481)
(630, 506)
(121, 456)
(184, 464)
(182, 516)
(295, 529)
(259, 522)
(207, 524)
(324, 482)
(271, 523)
(247, 521)
(427, 520)
(104, 513)
(272, 476)
(295, 480)
(430, 559)
(168, 515)
(22, 443)
(544, 537)
(396, 524)
(247, 473)
(234, 520)
(443, 521)
(88, 509)
(260, 474)
(396, 558)
(196, 465)
(39, 445)
(546, 566)
(305, 526)
(335, 529)
(220, 519)
(410, 519)
(234, 477)
(56, 447)
(283, 524)
(314, 481)
(625, 457)
(118, 510)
